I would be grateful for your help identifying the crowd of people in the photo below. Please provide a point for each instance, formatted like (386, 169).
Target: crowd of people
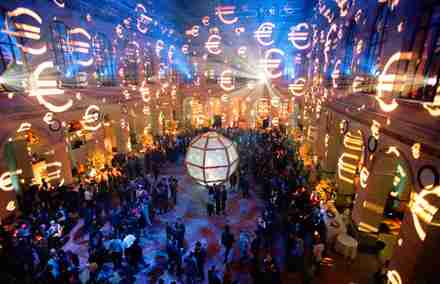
(290, 215)
(125, 196)
(120, 209)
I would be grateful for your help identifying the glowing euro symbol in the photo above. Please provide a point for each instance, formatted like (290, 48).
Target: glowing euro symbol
(10, 206)
(364, 175)
(90, 120)
(159, 46)
(393, 150)
(223, 11)
(142, 20)
(26, 31)
(185, 49)
(194, 31)
(48, 118)
(358, 83)
(359, 46)
(239, 30)
(146, 110)
(353, 142)
(336, 74)
(6, 180)
(205, 20)
(329, 44)
(171, 53)
(299, 36)
(434, 107)
(393, 277)
(242, 51)
(270, 64)
(415, 150)
(213, 44)
(59, 3)
(375, 129)
(226, 80)
(264, 34)
(298, 87)
(145, 92)
(387, 82)
(225, 98)
(42, 88)
(275, 101)
(25, 126)
(344, 6)
(126, 94)
(81, 46)
(119, 31)
(55, 173)
(347, 164)
(174, 92)
(423, 210)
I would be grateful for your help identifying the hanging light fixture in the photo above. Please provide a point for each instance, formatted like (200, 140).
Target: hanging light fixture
(211, 158)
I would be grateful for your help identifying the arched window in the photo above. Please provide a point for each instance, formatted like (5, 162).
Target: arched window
(377, 38)
(130, 63)
(105, 60)
(427, 48)
(347, 63)
(10, 56)
(148, 64)
(64, 60)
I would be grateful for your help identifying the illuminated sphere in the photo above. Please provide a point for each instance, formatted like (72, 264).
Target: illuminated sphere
(211, 158)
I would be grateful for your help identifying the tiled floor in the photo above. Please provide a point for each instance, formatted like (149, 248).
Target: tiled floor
(241, 216)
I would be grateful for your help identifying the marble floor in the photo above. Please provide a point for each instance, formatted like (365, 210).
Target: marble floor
(241, 216)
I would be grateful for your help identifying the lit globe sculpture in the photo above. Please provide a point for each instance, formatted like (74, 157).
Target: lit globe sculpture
(211, 158)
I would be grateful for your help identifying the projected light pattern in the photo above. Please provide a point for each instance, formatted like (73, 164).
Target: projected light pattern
(299, 36)
(11, 206)
(79, 46)
(271, 64)
(298, 87)
(226, 14)
(264, 34)
(388, 82)
(91, 118)
(26, 31)
(349, 161)
(43, 88)
(24, 127)
(227, 80)
(245, 50)
(143, 20)
(6, 180)
(423, 211)
(213, 44)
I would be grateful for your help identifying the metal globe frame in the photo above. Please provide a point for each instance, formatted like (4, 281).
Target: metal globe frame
(211, 158)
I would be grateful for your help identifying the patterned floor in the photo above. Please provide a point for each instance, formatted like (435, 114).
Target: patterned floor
(241, 216)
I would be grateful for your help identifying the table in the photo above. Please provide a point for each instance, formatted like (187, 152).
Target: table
(346, 245)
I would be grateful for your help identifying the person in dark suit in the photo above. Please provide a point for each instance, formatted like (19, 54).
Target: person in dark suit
(223, 198)
(227, 240)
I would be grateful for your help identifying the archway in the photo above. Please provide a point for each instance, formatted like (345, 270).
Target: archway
(386, 198)
(32, 151)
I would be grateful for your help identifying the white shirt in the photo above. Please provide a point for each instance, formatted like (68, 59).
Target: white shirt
(88, 195)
